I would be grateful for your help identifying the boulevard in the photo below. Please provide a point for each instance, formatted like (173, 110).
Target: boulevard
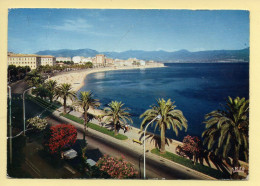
(155, 169)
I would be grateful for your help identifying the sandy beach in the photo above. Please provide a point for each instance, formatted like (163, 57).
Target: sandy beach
(76, 79)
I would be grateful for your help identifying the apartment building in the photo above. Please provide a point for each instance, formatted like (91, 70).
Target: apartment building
(109, 61)
(77, 59)
(99, 60)
(48, 60)
(87, 59)
(62, 59)
(31, 60)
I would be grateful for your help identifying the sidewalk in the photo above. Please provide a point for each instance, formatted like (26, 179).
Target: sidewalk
(133, 133)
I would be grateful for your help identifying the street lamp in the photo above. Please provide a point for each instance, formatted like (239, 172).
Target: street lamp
(24, 109)
(10, 124)
(157, 117)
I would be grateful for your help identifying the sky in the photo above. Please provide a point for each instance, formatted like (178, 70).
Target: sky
(117, 30)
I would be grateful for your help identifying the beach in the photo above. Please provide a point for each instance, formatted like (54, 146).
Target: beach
(76, 79)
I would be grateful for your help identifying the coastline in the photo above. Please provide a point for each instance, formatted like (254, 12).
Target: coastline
(76, 79)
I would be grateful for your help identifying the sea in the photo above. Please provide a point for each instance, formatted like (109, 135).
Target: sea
(196, 89)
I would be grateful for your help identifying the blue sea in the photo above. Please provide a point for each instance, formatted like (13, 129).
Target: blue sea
(197, 89)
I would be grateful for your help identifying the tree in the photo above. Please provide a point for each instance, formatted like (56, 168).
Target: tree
(117, 167)
(51, 86)
(65, 91)
(12, 72)
(36, 123)
(226, 130)
(86, 101)
(170, 117)
(60, 137)
(34, 78)
(117, 114)
(192, 145)
(89, 65)
(41, 91)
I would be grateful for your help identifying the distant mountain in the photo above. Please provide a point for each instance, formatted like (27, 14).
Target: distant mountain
(161, 56)
(69, 53)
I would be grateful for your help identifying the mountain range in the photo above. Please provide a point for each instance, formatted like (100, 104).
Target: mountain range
(160, 56)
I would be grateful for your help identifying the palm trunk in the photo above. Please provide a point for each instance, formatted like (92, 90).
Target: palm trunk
(115, 129)
(85, 127)
(65, 106)
(235, 162)
(50, 97)
(162, 150)
(85, 130)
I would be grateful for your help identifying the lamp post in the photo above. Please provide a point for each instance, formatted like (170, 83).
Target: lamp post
(10, 125)
(24, 109)
(157, 117)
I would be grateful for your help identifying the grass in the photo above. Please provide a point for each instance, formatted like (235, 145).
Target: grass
(188, 163)
(95, 127)
(44, 103)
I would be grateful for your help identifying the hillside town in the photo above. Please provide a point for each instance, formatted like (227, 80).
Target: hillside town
(100, 60)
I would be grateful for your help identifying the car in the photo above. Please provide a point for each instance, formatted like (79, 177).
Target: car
(69, 154)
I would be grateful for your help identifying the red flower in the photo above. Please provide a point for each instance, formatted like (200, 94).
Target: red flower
(62, 135)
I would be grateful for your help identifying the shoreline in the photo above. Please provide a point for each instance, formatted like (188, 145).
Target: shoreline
(78, 83)
(76, 79)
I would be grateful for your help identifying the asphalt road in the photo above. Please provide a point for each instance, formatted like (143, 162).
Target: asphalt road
(19, 87)
(154, 170)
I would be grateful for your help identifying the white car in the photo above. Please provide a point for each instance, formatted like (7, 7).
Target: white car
(70, 154)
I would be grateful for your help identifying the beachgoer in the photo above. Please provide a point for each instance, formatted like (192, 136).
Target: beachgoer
(126, 128)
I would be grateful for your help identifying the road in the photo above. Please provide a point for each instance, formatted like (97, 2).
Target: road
(19, 87)
(154, 170)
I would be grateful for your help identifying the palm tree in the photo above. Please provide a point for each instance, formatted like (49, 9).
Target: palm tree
(51, 86)
(65, 91)
(117, 114)
(34, 78)
(169, 117)
(41, 91)
(227, 130)
(86, 101)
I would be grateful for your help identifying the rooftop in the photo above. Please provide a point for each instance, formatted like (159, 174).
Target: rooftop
(26, 55)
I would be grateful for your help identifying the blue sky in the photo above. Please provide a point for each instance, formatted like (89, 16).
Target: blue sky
(32, 30)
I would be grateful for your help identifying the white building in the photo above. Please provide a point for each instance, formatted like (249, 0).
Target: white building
(62, 59)
(48, 60)
(86, 59)
(142, 62)
(77, 59)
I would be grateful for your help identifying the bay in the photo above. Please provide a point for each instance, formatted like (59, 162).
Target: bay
(197, 89)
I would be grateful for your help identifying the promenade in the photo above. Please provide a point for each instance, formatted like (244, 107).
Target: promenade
(134, 134)
(137, 148)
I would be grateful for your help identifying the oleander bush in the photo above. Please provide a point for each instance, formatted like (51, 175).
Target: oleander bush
(117, 167)
(60, 137)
